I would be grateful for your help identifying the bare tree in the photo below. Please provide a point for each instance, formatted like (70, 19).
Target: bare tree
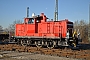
(5, 30)
(1, 29)
(11, 27)
(83, 28)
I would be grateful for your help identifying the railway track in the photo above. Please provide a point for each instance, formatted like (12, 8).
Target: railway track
(79, 54)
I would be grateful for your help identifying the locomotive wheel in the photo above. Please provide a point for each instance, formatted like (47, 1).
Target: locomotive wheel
(50, 44)
(42, 43)
(28, 42)
(38, 44)
(54, 44)
(24, 42)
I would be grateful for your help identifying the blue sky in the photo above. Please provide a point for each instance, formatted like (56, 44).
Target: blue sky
(11, 10)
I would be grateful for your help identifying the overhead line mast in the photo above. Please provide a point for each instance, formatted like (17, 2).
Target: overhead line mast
(56, 11)
(27, 11)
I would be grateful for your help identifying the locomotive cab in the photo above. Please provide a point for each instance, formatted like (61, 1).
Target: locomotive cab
(35, 19)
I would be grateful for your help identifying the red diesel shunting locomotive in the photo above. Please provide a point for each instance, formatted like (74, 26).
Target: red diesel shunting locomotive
(40, 32)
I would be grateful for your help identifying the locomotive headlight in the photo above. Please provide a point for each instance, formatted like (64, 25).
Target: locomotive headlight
(12, 36)
(37, 21)
(67, 35)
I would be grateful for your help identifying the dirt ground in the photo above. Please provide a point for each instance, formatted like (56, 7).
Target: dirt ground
(13, 55)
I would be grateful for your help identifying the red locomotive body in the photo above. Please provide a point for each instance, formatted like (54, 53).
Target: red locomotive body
(42, 28)
(40, 32)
